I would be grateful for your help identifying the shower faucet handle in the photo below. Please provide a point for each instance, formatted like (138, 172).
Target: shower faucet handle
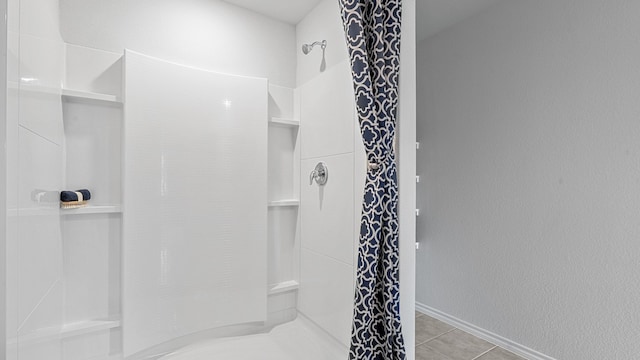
(320, 174)
(312, 176)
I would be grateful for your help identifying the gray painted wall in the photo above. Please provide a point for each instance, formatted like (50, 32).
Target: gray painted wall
(529, 116)
(3, 176)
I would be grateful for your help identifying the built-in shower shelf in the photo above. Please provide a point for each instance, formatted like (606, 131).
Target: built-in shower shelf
(101, 209)
(283, 287)
(284, 122)
(284, 203)
(85, 95)
(66, 331)
(87, 327)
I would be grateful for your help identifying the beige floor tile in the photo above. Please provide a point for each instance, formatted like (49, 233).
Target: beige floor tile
(424, 352)
(500, 354)
(418, 314)
(458, 345)
(428, 328)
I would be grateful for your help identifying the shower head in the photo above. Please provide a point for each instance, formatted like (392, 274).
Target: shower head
(306, 48)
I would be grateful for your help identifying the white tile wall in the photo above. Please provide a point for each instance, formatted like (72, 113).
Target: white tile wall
(324, 22)
(93, 70)
(281, 308)
(326, 296)
(41, 67)
(35, 69)
(329, 214)
(49, 349)
(12, 284)
(282, 154)
(12, 114)
(327, 211)
(46, 316)
(280, 101)
(88, 346)
(206, 34)
(39, 255)
(93, 152)
(13, 15)
(40, 18)
(327, 105)
(88, 251)
(283, 246)
(13, 58)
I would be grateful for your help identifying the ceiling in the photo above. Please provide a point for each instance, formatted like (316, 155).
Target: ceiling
(433, 15)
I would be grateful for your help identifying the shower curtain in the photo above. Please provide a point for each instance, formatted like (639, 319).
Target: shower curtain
(372, 29)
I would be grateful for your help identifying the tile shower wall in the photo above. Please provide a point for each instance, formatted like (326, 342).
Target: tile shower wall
(329, 213)
(34, 155)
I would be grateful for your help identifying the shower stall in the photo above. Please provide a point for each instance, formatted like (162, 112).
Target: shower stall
(220, 143)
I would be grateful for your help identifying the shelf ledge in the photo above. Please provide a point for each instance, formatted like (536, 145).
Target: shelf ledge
(66, 331)
(284, 122)
(283, 287)
(102, 209)
(284, 203)
(87, 327)
(86, 95)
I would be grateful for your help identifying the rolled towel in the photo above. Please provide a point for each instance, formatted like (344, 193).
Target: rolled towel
(74, 199)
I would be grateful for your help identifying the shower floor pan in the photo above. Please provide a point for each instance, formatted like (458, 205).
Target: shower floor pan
(291, 341)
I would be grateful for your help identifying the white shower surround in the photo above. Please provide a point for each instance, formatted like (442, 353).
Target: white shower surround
(274, 42)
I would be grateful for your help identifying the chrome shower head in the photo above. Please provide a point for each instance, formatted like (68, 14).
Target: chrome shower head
(306, 48)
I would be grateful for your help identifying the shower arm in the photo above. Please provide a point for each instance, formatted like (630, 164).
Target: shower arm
(323, 44)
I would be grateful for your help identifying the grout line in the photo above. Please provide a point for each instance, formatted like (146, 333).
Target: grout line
(435, 337)
(484, 353)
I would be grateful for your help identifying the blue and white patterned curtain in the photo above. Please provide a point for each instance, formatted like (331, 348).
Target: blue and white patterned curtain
(372, 30)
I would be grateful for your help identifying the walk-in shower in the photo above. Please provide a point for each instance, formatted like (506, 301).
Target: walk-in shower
(196, 126)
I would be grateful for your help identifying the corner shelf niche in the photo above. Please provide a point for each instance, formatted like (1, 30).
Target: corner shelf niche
(283, 287)
(98, 209)
(284, 203)
(92, 244)
(284, 122)
(86, 95)
(283, 216)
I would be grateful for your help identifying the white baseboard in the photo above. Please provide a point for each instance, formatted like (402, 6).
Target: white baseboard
(504, 343)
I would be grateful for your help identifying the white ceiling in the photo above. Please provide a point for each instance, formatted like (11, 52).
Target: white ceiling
(289, 11)
(433, 15)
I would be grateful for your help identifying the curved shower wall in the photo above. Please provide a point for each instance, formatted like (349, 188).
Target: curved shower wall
(195, 209)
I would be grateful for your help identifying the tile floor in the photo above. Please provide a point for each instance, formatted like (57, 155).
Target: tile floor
(436, 340)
